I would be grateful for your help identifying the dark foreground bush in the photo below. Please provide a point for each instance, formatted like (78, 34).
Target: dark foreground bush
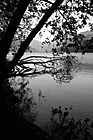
(62, 127)
(12, 125)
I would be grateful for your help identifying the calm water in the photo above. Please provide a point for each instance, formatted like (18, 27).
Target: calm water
(78, 92)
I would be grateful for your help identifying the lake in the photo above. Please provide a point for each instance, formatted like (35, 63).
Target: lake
(77, 92)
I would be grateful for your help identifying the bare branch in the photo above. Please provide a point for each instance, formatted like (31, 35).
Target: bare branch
(48, 1)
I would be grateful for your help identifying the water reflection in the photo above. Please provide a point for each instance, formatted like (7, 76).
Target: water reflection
(25, 102)
(64, 71)
(79, 92)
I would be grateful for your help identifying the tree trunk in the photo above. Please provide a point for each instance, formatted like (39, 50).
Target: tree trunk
(29, 39)
(5, 43)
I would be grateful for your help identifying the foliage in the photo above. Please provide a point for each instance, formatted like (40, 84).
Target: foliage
(66, 69)
(65, 19)
(68, 17)
(89, 44)
(62, 127)
(14, 124)
(61, 68)
(7, 8)
(62, 25)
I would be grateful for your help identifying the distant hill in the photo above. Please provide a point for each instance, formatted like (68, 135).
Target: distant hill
(36, 45)
(87, 34)
(87, 40)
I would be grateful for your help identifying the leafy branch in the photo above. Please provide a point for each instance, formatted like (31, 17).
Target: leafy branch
(60, 68)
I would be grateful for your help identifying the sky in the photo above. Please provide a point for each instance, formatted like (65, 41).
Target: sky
(47, 34)
(86, 28)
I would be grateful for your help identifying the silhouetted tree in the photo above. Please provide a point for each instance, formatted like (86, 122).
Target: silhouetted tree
(19, 15)
(9, 34)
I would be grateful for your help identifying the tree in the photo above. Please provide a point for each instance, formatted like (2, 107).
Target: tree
(9, 34)
(5, 46)
(62, 25)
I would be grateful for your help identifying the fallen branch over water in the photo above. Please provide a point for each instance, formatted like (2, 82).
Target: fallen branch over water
(37, 65)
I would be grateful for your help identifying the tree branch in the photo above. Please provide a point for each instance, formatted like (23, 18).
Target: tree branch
(5, 43)
(29, 39)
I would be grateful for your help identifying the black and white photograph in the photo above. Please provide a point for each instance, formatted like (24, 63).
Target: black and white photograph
(46, 69)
